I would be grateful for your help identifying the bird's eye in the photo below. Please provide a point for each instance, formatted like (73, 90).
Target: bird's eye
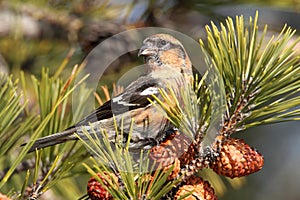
(163, 42)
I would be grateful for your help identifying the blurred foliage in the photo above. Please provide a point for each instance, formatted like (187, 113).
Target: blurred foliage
(284, 3)
(39, 33)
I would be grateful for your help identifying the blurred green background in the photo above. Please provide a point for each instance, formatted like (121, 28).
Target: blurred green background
(40, 33)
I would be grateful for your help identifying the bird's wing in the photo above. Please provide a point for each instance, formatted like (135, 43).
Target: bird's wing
(135, 96)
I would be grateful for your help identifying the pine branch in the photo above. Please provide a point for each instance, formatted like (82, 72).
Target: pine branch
(55, 163)
(128, 175)
(261, 86)
(51, 165)
(13, 124)
(261, 83)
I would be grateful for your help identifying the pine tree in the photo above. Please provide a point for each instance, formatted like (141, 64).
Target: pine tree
(258, 82)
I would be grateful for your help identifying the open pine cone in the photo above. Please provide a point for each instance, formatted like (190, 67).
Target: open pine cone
(237, 159)
(96, 190)
(196, 188)
(175, 146)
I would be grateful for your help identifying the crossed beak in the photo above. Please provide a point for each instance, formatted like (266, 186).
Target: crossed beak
(146, 50)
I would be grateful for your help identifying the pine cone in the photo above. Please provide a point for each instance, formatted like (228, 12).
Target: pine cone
(3, 197)
(96, 191)
(172, 175)
(173, 147)
(200, 190)
(237, 159)
(188, 155)
(175, 172)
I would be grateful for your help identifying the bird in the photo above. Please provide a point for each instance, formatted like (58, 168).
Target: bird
(167, 66)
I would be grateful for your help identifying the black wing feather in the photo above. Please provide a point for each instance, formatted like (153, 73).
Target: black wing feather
(131, 96)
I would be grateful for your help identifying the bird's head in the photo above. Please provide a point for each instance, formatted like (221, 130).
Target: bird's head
(164, 51)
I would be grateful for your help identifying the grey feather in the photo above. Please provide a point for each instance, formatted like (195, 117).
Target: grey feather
(54, 139)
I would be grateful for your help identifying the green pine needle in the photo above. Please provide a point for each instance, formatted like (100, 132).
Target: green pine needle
(261, 77)
(134, 175)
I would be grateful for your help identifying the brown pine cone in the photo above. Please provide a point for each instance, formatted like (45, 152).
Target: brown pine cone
(237, 159)
(188, 155)
(175, 172)
(200, 190)
(3, 197)
(96, 191)
(173, 147)
(173, 175)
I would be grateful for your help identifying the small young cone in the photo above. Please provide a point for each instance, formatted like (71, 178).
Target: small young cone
(196, 189)
(96, 191)
(237, 159)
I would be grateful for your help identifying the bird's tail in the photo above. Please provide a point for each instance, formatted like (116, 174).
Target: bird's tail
(53, 139)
